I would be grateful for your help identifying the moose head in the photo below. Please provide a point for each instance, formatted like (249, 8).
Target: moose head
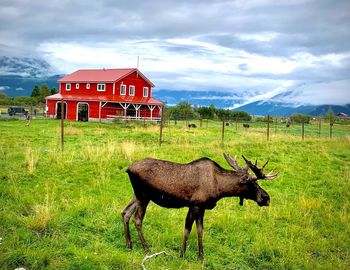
(250, 189)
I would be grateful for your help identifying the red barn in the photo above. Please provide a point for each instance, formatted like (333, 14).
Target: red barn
(91, 95)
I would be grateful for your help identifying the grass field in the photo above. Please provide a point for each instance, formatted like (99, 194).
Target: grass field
(62, 210)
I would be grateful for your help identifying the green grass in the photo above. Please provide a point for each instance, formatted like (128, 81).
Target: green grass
(62, 210)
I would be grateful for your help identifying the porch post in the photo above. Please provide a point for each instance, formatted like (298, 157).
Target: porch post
(137, 107)
(124, 106)
(99, 111)
(151, 108)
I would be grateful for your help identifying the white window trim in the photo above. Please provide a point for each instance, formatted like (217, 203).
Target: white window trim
(131, 87)
(144, 88)
(77, 86)
(104, 87)
(88, 86)
(68, 88)
(122, 86)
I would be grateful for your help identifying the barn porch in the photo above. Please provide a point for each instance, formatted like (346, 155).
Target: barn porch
(130, 111)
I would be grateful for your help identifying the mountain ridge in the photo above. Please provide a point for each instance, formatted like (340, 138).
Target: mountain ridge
(18, 76)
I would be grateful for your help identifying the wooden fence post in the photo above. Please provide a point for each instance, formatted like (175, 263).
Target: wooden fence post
(302, 129)
(161, 127)
(276, 125)
(62, 125)
(223, 130)
(268, 128)
(319, 127)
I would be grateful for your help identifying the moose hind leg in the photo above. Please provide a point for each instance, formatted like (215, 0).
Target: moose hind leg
(188, 227)
(138, 219)
(199, 224)
(126, 215)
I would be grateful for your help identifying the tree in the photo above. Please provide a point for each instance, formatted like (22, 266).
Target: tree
(205, 112)
(298, 118)
(44, 92)
(35, 92)
(241, 115)
(4, 99)
(53, 91)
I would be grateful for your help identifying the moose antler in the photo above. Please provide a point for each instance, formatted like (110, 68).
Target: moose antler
(233, 163)
(259, 172)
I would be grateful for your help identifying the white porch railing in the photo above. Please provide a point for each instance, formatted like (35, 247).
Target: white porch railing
(140, 118)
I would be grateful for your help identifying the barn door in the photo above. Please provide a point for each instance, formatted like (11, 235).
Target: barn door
(83, 112)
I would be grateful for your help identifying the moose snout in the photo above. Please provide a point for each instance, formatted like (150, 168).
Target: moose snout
(265, 201)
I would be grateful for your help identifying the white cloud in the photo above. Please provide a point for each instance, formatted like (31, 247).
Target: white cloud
(335, 92)
(257, 48)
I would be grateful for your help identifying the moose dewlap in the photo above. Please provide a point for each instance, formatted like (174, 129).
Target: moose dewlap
(197, 185)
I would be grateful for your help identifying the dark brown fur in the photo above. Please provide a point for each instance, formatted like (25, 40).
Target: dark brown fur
(197, 185)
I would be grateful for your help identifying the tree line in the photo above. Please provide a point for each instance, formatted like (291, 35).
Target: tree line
(37, 97)
(184, 110)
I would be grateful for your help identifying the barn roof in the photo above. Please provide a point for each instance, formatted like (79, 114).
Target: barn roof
(108, 98)
(101, 75)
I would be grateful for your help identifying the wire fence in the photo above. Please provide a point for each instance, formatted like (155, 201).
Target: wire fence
(316, 128)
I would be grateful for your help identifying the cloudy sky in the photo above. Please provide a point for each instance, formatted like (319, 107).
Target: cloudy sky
(253, 49)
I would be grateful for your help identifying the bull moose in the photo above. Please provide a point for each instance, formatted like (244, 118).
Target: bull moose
(197, 185)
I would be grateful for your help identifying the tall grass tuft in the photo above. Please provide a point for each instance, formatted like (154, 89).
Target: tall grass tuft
(32, 157)
(128, 150)
(42, 215)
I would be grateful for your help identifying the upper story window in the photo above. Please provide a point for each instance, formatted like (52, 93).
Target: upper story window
(122, 89)
(68, 86)
(131, 90)
(87, 86)
(101, 87)
(77, 85)
(145, 91)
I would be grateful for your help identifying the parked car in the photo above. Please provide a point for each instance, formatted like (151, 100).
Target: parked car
(13, 110)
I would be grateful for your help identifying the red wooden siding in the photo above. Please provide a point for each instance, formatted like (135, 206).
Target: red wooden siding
(110, 98)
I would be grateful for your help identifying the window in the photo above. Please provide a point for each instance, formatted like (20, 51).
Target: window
(122, 89)
(77, 85)
(145, 91)
(68, 86)
(87, 86)
(101, 87)
(132, 90)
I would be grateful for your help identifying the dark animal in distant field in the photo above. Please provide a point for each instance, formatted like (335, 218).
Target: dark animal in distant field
(246, 125)
(227, 124)
(287, 125)
(197, 185)
(192, 125)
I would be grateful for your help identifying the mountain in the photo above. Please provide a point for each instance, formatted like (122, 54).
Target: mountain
(18, 76)
(201, 98)
(282, 109)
